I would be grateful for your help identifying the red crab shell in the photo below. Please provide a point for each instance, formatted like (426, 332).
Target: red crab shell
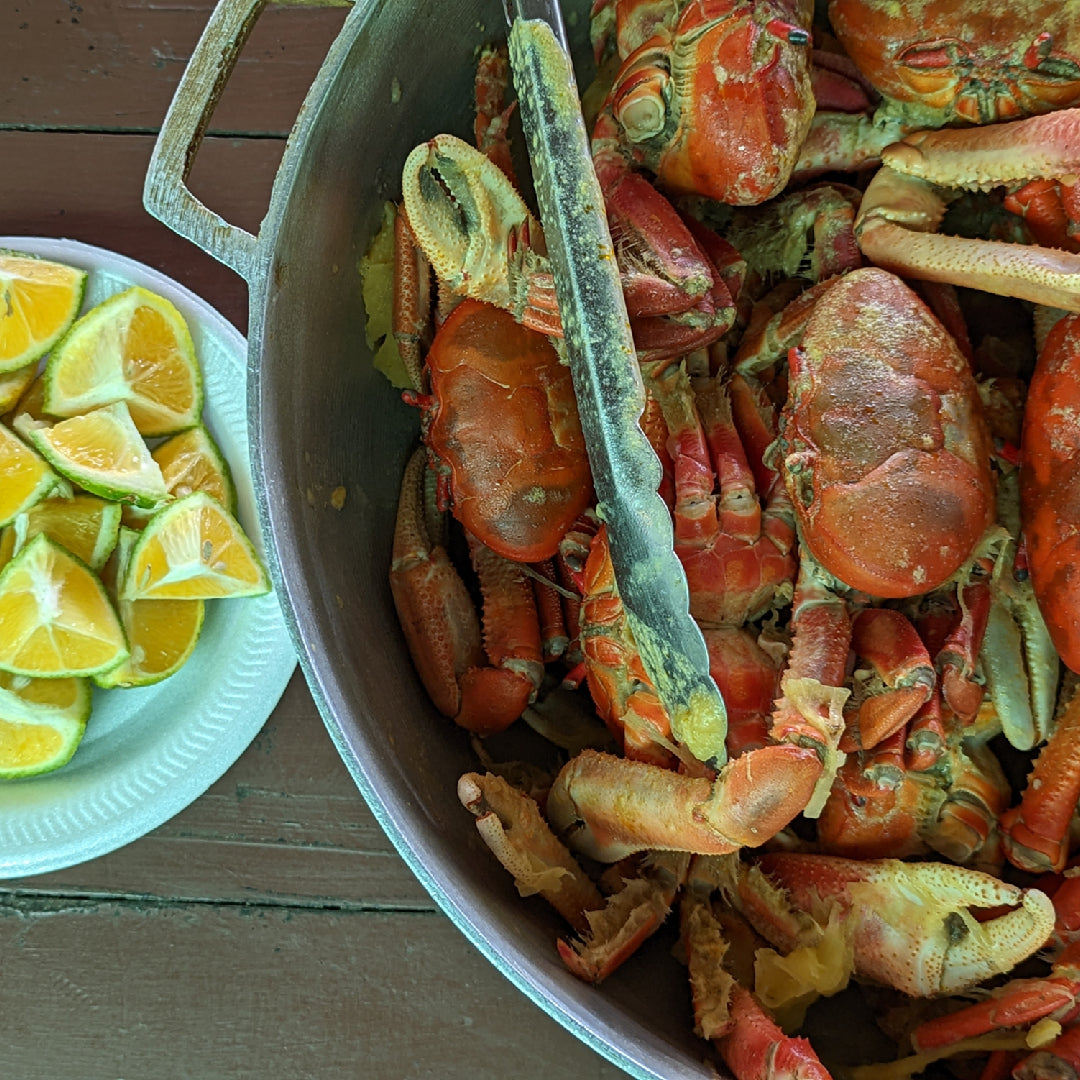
(737, 95)
(505, 424)
(1050, 485)
(977, 60)
(886, 453)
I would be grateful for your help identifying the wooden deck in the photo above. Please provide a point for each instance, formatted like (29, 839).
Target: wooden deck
(270, 929)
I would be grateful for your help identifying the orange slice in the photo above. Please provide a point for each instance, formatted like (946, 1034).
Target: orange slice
(38, 303)
(193, 549)
(25, 476)
(133, 347)
(57, 620)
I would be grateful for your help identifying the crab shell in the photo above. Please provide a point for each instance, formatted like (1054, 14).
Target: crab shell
(506, 426)
(976, 61)
(718, 104)
(1050, 485)
(885, 449)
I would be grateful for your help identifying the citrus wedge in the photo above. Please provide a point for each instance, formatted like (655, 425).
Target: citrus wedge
(100, 451)
(161, 634)
(84, 524)
(25, 477)
(191, 461)
(41, 723)
(56, 620)
(14, 384)
(193, 549)
(133, 347)
(38, 303)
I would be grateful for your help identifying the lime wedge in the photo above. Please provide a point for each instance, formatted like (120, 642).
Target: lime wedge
(134, 347)
(101, 451)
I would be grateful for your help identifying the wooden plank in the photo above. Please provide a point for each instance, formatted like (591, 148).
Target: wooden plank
(89, 187)
(115, 65)
(285, 825)
(201, 992)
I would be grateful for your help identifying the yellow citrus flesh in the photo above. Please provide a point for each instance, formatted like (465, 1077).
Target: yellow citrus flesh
(14, 384)
(30, 749)
(84, 524)
(191, 461)
(38, 303)
(22, 696)
(133, 347)
(56, 620)
(41, 723)
(161, 634)
(25, 477)
(193, 549)
(31, 403)
(100, 451)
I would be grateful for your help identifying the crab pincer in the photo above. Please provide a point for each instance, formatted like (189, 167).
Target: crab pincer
(913, 927)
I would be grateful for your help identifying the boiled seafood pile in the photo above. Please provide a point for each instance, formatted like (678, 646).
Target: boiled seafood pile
(849, 242)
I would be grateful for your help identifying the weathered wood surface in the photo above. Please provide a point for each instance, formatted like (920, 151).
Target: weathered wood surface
(270, 929)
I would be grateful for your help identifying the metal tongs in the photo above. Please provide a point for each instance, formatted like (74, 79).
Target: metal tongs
(607, 380)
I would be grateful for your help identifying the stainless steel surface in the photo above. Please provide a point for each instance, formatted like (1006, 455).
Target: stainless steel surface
(320, 416)
(607, 383)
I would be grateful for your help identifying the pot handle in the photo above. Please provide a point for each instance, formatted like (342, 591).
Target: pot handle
(165, 191)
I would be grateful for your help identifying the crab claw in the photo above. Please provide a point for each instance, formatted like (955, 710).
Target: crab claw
(630, 916)
(1019, 661)
(608, 807)
(477, 232)
(904, 204)
(914, 928)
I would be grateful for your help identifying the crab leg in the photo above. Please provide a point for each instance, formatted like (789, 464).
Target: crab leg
(492, 112)
(812, 693)
(1048, 491)
(549, 609)
(1049, 210)
(412, 298)
(1036, 833)
(620, 686)
(887, 640)
(483, 683)
(630, 917)
(1017, 1004)
(959, 652)
(735, 570)
(903, 207)
(750, 1042)
(512, 826)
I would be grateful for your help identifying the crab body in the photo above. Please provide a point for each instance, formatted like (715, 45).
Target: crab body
(885, 451)
(714, 96)
(519, 484)
(1050, 485)
(976, 62)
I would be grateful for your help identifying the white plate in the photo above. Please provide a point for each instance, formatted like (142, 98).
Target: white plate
(149, 752)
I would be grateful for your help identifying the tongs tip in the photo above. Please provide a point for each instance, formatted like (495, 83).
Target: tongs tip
(548, 11)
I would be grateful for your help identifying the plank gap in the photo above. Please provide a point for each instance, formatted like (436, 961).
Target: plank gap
(32, 904)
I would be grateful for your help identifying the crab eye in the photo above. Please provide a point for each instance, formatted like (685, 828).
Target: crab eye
(1038, 59)
(641, 106)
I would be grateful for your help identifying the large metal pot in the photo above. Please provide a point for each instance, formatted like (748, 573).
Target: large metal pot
(320, 415)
